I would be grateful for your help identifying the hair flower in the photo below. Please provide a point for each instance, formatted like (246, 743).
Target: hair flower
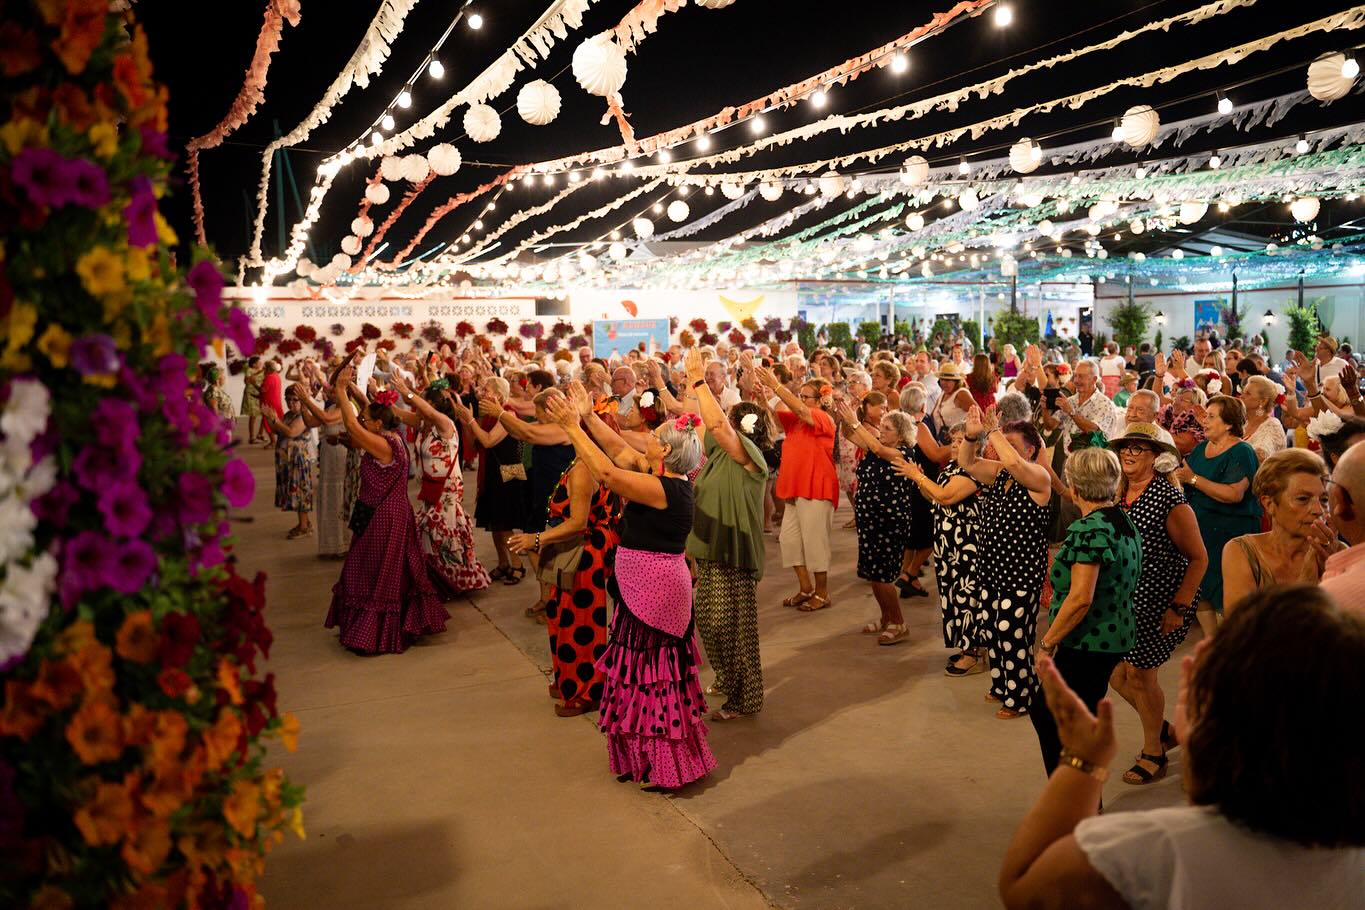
(687, 421)
(386, 397)
(439, 385)
(1325, 424)
(747, 424)
(1214, 387)
(647, 399)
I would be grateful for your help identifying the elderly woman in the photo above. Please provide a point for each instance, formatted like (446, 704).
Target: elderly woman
(1181, 418)
(272, 393)
(884, 513)
(955, 507)
(1012, 551)
(870, 408)
(252, 376)
(294, 455)
(652, 701)
(726, 544)
(954, 401)
(1217, 476)
(1259, 816)
(1093, 579)
(930, 456)
(215, 397)
(1263, 432)
(1173, 562)
(1291, 486)
(500, 507)
(808, 484)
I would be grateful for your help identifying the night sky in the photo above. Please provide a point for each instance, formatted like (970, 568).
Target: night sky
(699, 61)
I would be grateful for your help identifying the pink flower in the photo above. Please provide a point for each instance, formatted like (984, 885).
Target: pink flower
(154, 144)
(85, 566)
(42, 174)
(97, 467)
(54, 507)
(238, 330)
(239, 484)
(94, 355)
(196, 498)
(124, 507)
(141, 213)
(115, 423)
(207, 283)
(132, 566)
(89, 185)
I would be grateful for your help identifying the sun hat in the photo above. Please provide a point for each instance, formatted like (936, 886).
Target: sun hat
(1147, 434)
(950, 370)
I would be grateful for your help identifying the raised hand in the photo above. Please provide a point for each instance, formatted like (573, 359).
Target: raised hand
(845, 413)
(1350, 381)
(693, 364)
(559, 410)
(1160, 364)
(462, 413)
(767, 377)
(974, 425)
(579, 398)
(1090, 736)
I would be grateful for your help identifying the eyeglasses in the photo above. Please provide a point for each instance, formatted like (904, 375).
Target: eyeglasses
(805, 397)
(1136, 450)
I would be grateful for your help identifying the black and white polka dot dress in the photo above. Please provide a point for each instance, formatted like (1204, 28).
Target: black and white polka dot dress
(1163, 568)
(882, 509)
(1011, 564)
(955, 533)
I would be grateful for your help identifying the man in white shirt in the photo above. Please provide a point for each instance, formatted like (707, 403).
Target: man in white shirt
(1142, 408)
(924, 375)
(1327, 364)
(726, 394)
(1087, 411)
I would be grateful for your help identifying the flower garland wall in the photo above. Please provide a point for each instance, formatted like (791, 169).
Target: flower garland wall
(133, 716)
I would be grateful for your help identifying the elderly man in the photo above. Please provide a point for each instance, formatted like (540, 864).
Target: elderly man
(584, 356)
(923, 373)
(1088, 411)
(1142, 408)
(1344, 575)
(623, 388)
(726, 394)
(797, 364)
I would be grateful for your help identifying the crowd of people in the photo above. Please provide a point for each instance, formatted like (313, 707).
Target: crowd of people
(1128, 497)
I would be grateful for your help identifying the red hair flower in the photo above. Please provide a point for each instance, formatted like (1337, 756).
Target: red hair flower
(386, 397)
(688, 421)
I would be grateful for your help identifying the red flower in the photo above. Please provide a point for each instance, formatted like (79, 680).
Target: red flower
(289, 347)
(354, 344)
(463, 329)
(305, 333)
(402, 329)
(512, 344)
(179, 637)
(698, 326)
(736, 336)
(173, 682)
(388, 344)
(370, 331)
(496, 327)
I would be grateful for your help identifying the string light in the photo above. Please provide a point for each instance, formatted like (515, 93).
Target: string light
(386, 124)
(474, 21)
(575, 177)
(376, 138)
(1004, 15)
(963, 167)
(1116, 133)
(703, 142)
(1301, 147)
(757, 126)
(405, 98)
(1224, 104)
(819, 98)
(665, 156)
(1216, 161)
(435, 69)
(899, 64)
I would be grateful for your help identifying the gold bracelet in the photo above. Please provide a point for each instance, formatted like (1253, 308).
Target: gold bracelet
(1070, 759)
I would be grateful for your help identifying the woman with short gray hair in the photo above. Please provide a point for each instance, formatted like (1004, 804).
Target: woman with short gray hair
(1093, 579)
(930, 457)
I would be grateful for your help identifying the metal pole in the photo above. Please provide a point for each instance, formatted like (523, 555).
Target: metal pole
(1014, 293)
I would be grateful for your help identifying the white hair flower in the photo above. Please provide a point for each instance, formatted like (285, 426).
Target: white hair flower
(647, 400)
(1214, 387)
(1325, 424)
(747, 423)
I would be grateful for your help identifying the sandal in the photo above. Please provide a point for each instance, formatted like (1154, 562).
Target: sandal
(910, 588)
(815, 602)
(977, 666)
(536, 610)
(991, 696)
(1169, 742)
(514, 577)
(876, 627)
(1008, 714)
(798, 598)
(893, 634)
(1138, 775)
(726, 714)
(499, 573)
(714, 690)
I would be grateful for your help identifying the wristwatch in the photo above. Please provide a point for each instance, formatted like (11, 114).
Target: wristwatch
(1070, 759)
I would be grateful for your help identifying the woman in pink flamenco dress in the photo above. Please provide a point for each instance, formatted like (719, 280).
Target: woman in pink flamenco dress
(652, 703)
(384, 600)
(447, 535)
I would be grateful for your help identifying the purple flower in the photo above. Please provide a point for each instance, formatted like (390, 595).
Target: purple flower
(206, 557)
(54, 507)
(86, 562)
(164, 525)
(131, 567)
(44, 176)
(125, 510)
(239, 332)
(89, 185)
(115, 423)
(94, 355)
(196, 498)
(239, 484)
(141, 213)
(207, 283)
(97, 467)
(154, 144)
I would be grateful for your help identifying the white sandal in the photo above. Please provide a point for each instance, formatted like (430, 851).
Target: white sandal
(876, 627)
(893, 634)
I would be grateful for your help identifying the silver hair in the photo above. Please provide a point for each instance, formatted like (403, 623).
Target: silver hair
(1197, 393)
(860, 376)
(913, 398)
(1013, 407)
(1147, 393)
(500, 388)
(1094, 473)
(904, 424)
(685, 452)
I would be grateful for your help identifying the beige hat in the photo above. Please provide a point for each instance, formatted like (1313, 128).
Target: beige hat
(950, 370)
(1145, 433)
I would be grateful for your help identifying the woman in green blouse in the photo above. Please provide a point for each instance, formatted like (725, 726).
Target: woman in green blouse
(726, 544)
(1093, 579)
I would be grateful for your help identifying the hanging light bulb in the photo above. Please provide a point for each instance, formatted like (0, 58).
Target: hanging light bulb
(1216, 161)
(757, 126)
(475, 21)
(900, 63)
(1301, 147)
(658, 208)
(703, 142)
(549, 179)
(1004, 16)
(664, 156)
(819, 98)
(435, 69)
(1116, 134)
(405, 98)
(575, 177)
(1350, 68)
(386, 124)
(376, 138)
(1224, 104)
(478, 224)
(963, 167)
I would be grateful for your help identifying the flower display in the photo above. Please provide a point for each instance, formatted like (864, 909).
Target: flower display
(724, 326)
(531, 329)
(561, 329)
(736, 336)
(337, 330)
(512, 344)
(686, 339)
(270, 336)
(577, 342)
(305, 333)
(749, 324)
(370, 332)
(709, 338)
(432, 331)
(133, 722)
(496, 326)
(402, 329)
(759, 336)
(698, 326)
(289, 347)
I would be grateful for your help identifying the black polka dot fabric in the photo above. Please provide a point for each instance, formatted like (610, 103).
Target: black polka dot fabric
(1163, 568)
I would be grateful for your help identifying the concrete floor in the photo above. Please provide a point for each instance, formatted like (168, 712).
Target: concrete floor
(442, 778)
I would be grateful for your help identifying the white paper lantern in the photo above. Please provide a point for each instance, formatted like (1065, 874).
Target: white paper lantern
(831, 184)
(481, 123)
(350, 245)
(599, 65)
(1305, 208)
(731, 190)
(1137, 226)
(1025, 156)
(1191, 212)
(1139, 125)
(1325, 79)
(391, 168)
(644, 228)
(617, 250)
(771, 192)
(415, 168)
(538, 102)
(444, 159)
(968, 200)
(678, 210)
(1031, 200)
(915, 222)
(377, 193)
(1008, 267)
(362, 227)
(340, 262)
(1046, 227)
(915, 170)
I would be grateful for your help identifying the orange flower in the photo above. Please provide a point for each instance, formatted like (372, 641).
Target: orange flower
(243, 807)
(147, 844)
(138, 725)
(22, 714)
(82, 31)
(137, 638)
(95, 663)
(171, 790)
(220, 740)
(107, 816)
(230, 680)
(202, 846)
(289, 731)
(50, 897)
(168, 739)
(75, 637)
(18, 50)
(58, 683)
(73, 107)
(96, 732)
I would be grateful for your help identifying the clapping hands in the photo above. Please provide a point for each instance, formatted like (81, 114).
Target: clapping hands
(559, 410)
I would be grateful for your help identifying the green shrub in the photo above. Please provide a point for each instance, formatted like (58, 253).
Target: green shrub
(1129, 321)
(870, 331)
(972, 329)
(1016, 329)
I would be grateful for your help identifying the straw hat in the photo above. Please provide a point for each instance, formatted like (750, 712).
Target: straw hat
(1147, 434)
(950, 370)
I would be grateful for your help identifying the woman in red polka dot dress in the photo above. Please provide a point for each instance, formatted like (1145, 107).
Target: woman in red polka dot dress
(384, 600)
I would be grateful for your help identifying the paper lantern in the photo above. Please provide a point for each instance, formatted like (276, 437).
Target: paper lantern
(617, 250)
(1008, 267)
(771, 192)
(350, 245)
(968, 201)
(1191, 212)
(340, 261)
(915, 222)
(731, 190)
(377, 193)
(1326, 82)
(415, 168)
(1305, 208)
(362, 227)
(678, 210)
(831, 184)
(1139, 125)
(1031, 200)
(644, 228)
(391, 168)
(1046, 227)
(538, 102)
(1137, 226)
(599, 65)
(444, 159)
(915, 170)
(1025, 156)
(481, 123)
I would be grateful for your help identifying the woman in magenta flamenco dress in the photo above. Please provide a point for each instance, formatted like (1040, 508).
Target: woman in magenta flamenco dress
(652, 701)
(384, 600)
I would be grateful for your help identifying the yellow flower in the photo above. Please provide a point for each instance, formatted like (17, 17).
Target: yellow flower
(101, 272)
(55, 345)
(114, 305)
(158, 335)
(296, 822)
(139, 264)
(289, 731)
(164, 232)
(102, 380)
(23, 319)
(21, 133)
(122, 334)
(104, 137)
(243, 807)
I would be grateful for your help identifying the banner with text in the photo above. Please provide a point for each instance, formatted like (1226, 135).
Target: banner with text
(613, 337)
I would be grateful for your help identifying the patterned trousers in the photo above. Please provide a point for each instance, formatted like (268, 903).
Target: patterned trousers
(726, 611)
(1007, 625)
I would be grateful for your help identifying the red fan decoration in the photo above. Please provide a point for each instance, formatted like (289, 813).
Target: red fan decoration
(370, 331)
(305, 333)
(402, 329)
